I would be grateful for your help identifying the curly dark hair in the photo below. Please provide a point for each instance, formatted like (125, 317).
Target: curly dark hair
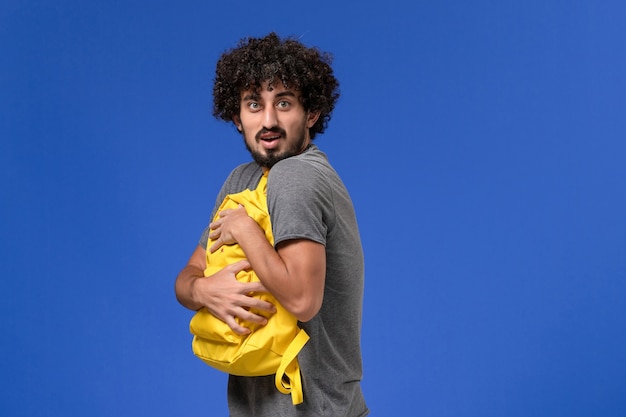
(270, 59)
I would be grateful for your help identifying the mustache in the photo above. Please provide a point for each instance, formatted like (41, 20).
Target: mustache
(276, 130)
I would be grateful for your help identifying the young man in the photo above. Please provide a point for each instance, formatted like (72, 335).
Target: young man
(279, 94)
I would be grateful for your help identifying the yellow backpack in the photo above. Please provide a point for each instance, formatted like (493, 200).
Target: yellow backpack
(266, 350)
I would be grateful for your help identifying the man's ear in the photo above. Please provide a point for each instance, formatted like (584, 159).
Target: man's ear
(311, 118)
(237, 122)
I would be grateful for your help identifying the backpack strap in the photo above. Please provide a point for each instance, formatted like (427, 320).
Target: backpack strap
(288, 379)
(262, 185)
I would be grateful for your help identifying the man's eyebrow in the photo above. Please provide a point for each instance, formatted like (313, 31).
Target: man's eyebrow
(256, 96)
(287, 93)
(251, 96)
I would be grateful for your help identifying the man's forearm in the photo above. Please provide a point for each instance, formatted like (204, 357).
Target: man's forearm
(297, 280)
(184, 286)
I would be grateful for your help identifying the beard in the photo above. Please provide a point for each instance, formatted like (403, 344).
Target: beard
(272, 156)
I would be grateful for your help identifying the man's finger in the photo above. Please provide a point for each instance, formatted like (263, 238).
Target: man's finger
(238, 266)
(252, 318)
(215, 246)
(232, 323)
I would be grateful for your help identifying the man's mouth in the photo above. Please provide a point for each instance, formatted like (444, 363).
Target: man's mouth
(270, 138)
(269, 135)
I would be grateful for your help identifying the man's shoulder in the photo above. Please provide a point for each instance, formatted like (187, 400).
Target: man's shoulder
(306, 174)
(311, 160)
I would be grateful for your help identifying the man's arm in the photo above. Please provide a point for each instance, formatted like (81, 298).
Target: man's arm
(221, 293)
(294, 273)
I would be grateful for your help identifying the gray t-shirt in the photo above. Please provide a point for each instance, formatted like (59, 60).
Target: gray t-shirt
(307, 200)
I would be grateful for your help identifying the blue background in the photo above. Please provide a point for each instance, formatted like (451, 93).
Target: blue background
(483, 146)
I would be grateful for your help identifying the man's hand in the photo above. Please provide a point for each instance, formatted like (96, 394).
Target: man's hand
(228, 223)
(221, 293)
(227, 298)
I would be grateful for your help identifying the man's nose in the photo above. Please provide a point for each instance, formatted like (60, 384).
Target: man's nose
(269, 117)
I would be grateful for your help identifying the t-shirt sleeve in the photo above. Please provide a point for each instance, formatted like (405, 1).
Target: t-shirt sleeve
(299, 201)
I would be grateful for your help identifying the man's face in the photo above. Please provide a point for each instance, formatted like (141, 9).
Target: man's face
(274, 123)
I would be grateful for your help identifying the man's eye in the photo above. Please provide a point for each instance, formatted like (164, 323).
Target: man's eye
(283, 104)
(254, 106)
